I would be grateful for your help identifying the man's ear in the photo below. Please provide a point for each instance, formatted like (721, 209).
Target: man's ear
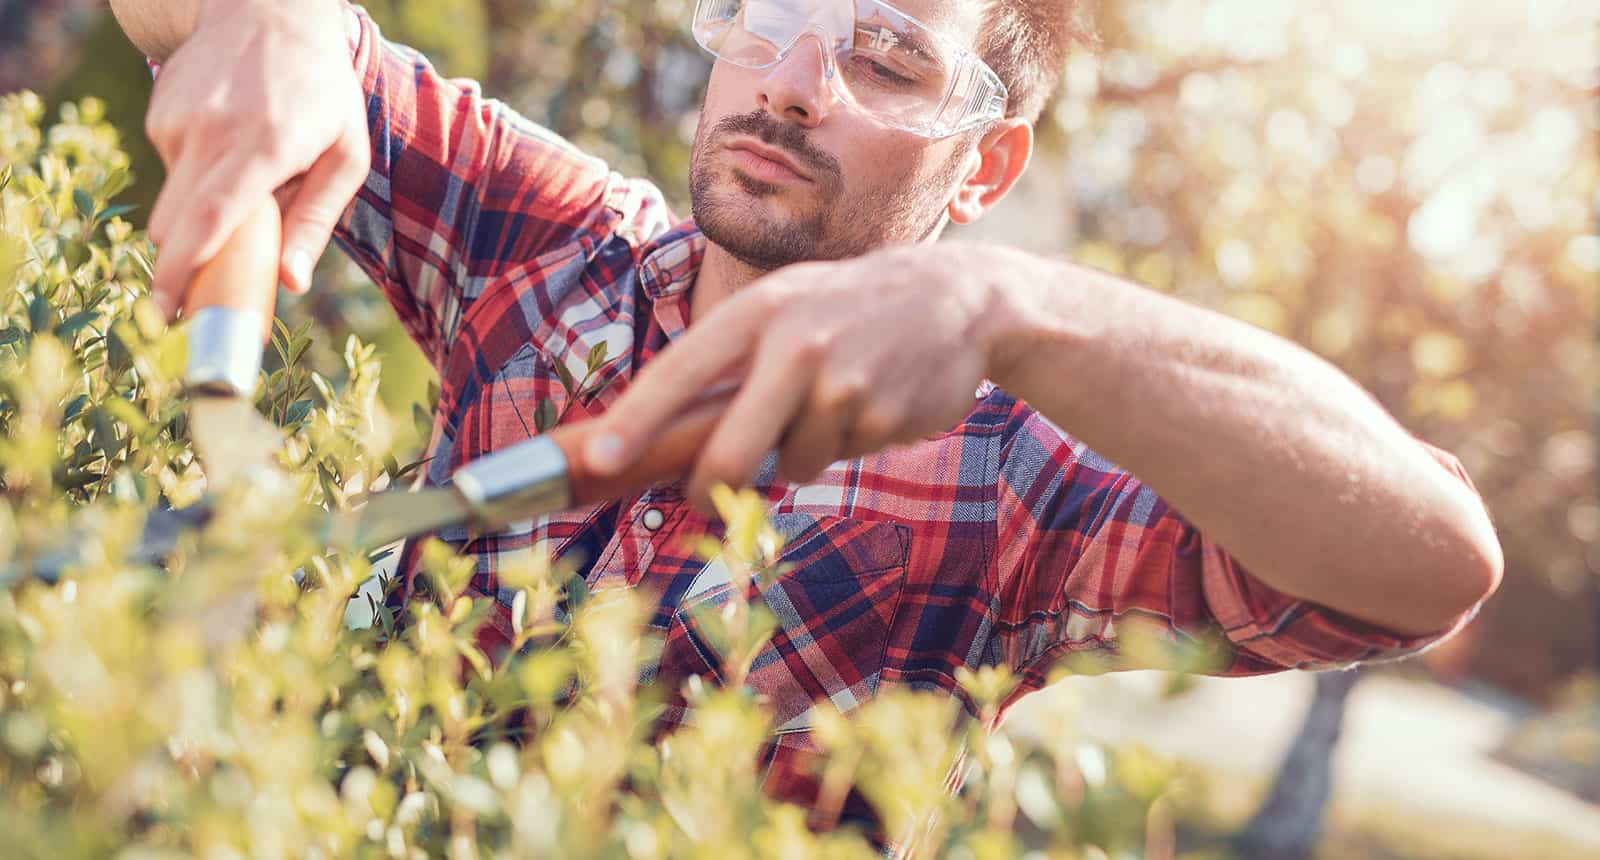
(1001, 156)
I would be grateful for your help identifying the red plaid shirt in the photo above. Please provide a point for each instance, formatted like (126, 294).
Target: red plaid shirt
(1003, 541)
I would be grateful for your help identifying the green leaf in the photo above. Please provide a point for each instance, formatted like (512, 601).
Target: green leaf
(480, 663)
(118, 358)
(83, 201)
(297, 411)
(577, 592)
(405, 472)
(118, 210)
(144, 263)
(75, 253)
(297, 348)
(41, 317)
(77, 479)
(34, 185)
(10, 335)
(103, 434)
(5, 176)
(384, 614)
(13, 253)
(98, 296)
(597, 356)
(147, 319)
(172, 353)
(127, 413)
(565, 375)
(545, 415)
(116, 183)
(82, 452)
(324, 387)
(73, 324)
(74, 408)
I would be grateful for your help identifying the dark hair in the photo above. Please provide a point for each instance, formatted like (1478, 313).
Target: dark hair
(1026, 43)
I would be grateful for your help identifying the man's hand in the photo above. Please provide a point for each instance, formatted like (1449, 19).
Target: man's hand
(260, 98)
(835, 360)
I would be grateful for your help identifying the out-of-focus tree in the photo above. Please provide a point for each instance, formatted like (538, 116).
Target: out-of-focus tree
(39, 38)
(1407, 189)
(112, 71)
(71, 50)
(621, 79)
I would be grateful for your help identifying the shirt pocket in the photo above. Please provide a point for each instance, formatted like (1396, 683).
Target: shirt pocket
(835, 607)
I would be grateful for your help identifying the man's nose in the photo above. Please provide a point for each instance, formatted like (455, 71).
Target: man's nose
(797, 87)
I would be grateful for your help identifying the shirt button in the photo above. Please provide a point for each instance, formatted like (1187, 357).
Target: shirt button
(653, 518)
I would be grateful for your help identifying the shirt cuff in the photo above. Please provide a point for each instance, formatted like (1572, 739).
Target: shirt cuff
(1274, 631)
(1279, 631)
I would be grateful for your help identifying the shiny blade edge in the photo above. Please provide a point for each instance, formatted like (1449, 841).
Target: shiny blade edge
(390, 516)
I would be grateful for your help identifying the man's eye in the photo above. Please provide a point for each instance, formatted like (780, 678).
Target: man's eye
(882, 72)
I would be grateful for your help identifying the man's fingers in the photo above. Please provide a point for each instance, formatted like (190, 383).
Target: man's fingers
(779, 383)
(286, 193)
(672, 382)
(325, 192)
(815, 439)
(177, 193)
(175, 264)
(214, 210)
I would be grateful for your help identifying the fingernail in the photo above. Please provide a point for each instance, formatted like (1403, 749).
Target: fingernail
(300, 269)
(604, 452)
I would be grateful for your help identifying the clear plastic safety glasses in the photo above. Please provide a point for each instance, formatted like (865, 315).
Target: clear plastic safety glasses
(874, 56)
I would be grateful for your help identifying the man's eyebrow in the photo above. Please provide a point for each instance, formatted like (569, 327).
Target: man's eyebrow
(911, 40)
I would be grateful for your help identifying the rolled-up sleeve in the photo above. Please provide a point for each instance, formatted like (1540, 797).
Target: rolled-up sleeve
(1087, 552)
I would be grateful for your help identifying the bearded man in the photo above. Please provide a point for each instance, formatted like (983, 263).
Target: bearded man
(977, 456)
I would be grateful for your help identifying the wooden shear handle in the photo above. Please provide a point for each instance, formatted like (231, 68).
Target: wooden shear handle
(243, 276)
(669, 457)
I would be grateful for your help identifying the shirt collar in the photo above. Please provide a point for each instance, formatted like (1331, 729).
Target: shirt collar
(671, 262)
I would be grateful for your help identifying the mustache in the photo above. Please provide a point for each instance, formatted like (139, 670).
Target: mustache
(783, 135)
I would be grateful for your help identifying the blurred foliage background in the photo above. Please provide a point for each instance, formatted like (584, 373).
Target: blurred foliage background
(1409, 189)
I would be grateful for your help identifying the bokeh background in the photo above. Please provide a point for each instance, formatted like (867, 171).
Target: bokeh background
(1407, 188)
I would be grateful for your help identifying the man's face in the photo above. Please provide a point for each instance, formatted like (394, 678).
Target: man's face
(851, 183)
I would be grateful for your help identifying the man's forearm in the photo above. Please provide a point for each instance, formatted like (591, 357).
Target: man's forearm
(157, 27)
(1269, 450)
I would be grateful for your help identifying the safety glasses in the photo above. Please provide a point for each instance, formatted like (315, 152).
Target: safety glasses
(874, 56)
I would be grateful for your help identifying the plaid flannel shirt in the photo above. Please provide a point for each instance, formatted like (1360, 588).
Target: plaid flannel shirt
(506, 252)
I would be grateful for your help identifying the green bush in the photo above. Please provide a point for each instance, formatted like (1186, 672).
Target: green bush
(218, 706)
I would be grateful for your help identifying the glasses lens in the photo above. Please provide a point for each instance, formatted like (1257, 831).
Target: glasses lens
(890, 64)
(896, 66)
(717, 26)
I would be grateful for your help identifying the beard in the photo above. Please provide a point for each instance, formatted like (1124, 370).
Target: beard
(824, 224)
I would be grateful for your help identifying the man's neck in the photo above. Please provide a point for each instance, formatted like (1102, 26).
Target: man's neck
(721, 275)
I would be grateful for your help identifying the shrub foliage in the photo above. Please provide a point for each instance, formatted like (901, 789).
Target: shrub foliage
(219, 705)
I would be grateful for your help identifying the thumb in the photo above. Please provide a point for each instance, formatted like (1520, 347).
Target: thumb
(324, 193)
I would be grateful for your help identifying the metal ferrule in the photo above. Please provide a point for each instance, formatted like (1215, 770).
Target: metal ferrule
(224, 352)
(515, 482)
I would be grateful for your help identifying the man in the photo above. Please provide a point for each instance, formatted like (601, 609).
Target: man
(930, 528)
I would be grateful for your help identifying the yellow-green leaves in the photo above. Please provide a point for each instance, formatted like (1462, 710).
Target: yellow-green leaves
(216, 706)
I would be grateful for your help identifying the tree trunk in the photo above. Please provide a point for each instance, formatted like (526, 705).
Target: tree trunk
(1288, 823)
